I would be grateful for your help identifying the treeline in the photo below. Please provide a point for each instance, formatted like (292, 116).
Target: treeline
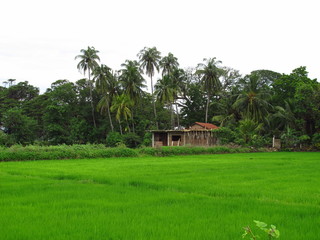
(113, 107)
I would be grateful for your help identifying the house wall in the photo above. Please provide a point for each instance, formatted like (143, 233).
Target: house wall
(200, 138)
(160, 139)
(182, 138)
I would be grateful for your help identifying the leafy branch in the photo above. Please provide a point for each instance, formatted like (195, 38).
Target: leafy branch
(272, 231)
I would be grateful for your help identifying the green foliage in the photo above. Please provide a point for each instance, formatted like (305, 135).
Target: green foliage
(272, 231)
(316, 141)
(20, 127)
(5, 139)
(225, 135)
(80, 112)
(289, 139)
(147, 139)
(185, 150)
(113, 139)
(248, 129)
(131, 140)
(31, 152)
(316, 138)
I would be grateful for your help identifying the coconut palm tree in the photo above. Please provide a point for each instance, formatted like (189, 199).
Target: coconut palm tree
(149, 60)
(253, 101)
(168, 64)
(88, 62)
(132, 80)
(178, 76)
(248, 128)
(121, 104)
(164, 92)
(105, 84)
(209, 73)
(132, 83)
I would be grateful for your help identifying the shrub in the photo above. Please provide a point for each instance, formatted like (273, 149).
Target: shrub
(259, 141)
(5, 139)
(131, 140)
(113, 139)
(147, 139)
(316, 138)
(225, 135)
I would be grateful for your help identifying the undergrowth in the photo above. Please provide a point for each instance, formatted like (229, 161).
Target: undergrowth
(32, 152)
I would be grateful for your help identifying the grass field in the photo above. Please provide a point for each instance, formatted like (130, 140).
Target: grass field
(184, 197)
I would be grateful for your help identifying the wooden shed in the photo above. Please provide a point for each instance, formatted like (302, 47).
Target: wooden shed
(198, 134)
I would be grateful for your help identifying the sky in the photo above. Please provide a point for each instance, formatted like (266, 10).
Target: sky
(39, 39)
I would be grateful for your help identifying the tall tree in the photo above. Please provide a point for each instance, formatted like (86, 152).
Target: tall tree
(253, 101)
(88, 62)
(149, 60)
(121, 105)
(132, 80)
(168, 64)
(164, 91)
(210, 73)
(105, 85)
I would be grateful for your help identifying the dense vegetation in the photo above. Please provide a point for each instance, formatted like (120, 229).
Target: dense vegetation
(112, 106)
(76, 151)
(182, 197)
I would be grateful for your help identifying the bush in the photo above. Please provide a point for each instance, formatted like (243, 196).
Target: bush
(225, 135)
(147, 139)
(131, 140)
(32, 152)
(5, 139)
(316, 138)
(114, 139)
(20, 153)
(259, 141)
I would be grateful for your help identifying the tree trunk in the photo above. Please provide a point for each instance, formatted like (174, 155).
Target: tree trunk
(109, 115)
(172, 115)
(120, 127)
(154, 104)
(178, 119)
(132, 122)
(207, 107)
(91, 101)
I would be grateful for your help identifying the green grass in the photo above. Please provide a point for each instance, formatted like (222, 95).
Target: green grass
(182, 197)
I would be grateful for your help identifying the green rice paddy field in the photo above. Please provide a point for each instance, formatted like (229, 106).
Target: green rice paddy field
(182, 197)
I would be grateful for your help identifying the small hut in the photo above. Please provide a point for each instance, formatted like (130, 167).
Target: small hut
(198, 134)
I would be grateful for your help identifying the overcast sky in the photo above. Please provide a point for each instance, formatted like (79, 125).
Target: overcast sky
(39, 39)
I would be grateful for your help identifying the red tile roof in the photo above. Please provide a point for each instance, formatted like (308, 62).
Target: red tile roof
(207, 125)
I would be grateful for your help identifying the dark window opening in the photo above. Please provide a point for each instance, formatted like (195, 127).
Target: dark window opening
(176, 138)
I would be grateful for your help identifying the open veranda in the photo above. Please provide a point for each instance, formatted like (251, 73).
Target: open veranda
(181, 197)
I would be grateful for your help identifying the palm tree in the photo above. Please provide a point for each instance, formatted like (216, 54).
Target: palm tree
(105, 85)
(132, 80)
(248, 128)
(164, 91)
(88, 62)
(209, 73)
(168, 64)
(121, 105)
(11, 81)
(283, 117)
(149, 60)
(253, 101)
(178, 83)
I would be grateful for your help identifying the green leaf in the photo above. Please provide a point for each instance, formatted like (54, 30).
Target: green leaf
(261, 225)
